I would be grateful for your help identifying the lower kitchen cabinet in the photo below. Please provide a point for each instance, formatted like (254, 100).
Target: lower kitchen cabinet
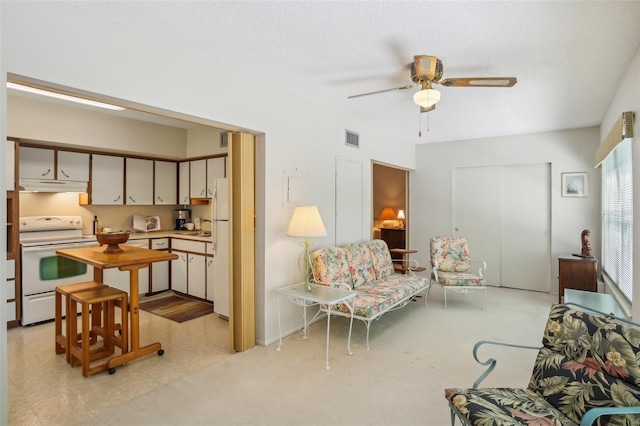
(120, 279)
(196, 276)
(179, 273)
(189, 270)
(114, 277)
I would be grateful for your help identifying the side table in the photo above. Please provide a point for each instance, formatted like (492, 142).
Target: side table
(318, 295)
(404, 265)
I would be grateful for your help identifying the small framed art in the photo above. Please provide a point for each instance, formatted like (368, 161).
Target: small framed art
(575, 184)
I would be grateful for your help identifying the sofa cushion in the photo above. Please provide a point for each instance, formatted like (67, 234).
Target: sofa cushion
(587, 361)
(459, 279)
(367, 305)
(329, 265)
(382, 262)
(395, 288)
(505, 406)
(451, 253)
(360, 263)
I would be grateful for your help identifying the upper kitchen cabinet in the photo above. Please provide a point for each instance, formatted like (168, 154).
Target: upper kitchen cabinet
(216, 169)
(198, 186)
(139, 181)
(36, 163)
(183, 188)
(40, 163)
(73, 166)
(165, 182)
(107, 179)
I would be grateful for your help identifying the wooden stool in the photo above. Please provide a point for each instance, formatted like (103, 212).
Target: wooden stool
(106, 297)
(63, 340)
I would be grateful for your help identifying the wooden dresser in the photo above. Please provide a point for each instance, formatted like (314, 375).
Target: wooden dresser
(395, 239)
(579, 273)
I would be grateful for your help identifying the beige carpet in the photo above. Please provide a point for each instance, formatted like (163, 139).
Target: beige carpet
(415, 353)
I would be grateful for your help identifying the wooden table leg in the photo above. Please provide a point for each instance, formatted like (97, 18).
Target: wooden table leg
(135, 351)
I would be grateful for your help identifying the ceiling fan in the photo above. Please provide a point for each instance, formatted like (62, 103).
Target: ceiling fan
(427, 70)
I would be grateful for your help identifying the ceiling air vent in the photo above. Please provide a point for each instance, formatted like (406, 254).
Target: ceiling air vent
(224, 140)
(352, 139)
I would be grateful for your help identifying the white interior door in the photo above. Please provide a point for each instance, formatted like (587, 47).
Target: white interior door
(505, 212)
(526, 242)
(477, 215)
(348, 201)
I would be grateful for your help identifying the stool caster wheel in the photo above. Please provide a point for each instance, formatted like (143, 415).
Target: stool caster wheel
(112, 370)
(161, 352)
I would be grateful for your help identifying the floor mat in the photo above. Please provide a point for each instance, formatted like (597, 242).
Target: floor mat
(176, 308)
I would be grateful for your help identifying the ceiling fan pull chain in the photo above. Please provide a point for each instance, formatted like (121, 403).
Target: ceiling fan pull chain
(419, 125)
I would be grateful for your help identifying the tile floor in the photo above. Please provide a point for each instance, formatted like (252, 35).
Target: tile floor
(45, 390)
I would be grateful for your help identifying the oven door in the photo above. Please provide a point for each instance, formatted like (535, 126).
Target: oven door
(43, 270)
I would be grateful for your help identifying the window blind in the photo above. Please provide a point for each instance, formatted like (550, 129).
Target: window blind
(617, 213)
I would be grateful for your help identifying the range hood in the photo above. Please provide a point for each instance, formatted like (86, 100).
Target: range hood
(49, 185)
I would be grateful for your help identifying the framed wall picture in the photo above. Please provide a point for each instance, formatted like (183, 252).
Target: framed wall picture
(575, 184)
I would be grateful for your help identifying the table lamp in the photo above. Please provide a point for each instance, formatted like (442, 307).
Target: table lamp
(306, 222)
(401, 218)
(387, 214)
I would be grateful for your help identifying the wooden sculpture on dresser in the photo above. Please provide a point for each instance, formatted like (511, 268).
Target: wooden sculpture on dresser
(586, 245)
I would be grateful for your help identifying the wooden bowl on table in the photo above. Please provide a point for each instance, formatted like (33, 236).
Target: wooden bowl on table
(112, 240)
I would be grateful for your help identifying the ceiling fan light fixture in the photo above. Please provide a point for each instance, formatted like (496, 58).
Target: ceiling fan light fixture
(426, 98)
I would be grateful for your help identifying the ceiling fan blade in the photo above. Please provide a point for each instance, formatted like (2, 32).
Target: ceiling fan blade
(479, 82)
(431, 108)
(408, 86)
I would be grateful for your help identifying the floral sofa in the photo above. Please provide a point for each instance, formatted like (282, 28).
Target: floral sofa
(368, 269)
(586, 372)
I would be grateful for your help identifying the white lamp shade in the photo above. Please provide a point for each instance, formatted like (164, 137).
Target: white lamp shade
(401, 214)
(306, 222)
(426, 98)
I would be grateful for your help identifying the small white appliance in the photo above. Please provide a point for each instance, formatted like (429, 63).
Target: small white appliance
(220, 235)
(42, 269)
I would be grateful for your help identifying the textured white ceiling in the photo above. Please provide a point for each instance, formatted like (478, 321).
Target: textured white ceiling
(568, 56)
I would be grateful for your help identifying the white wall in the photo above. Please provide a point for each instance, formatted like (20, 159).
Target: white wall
(566, 151)
(627, 98)
(100, 57)
(60, 124)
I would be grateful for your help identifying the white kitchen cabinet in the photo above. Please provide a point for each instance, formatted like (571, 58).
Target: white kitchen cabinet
(165, 183)
(39, 163)
(216, 169)
(159, 270)
(210, 288)
(73, 166)
(188, 272)
(139, 181)
(196, 275)
(120, 279)
(36, 163)
(107, 179)
(183, 188)
(179, 273)
(198, 174)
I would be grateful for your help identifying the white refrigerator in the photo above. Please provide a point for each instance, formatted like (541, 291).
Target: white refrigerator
(220, 233)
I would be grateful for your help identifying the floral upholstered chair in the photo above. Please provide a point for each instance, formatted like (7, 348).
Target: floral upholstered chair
(450, 264)
(587, 372)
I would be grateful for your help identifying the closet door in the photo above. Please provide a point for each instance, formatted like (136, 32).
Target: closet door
(526, 228)
(505, 212)
(477, 215)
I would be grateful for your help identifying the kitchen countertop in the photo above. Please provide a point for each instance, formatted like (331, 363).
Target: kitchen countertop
(186, 235)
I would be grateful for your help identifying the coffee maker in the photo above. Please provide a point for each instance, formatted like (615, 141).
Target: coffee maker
(182, 217)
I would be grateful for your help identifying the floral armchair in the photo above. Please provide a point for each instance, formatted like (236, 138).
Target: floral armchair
(587, 372)
(450, 264)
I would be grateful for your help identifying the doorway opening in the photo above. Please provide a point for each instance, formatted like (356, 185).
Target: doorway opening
(150, 114)
(390, 205)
